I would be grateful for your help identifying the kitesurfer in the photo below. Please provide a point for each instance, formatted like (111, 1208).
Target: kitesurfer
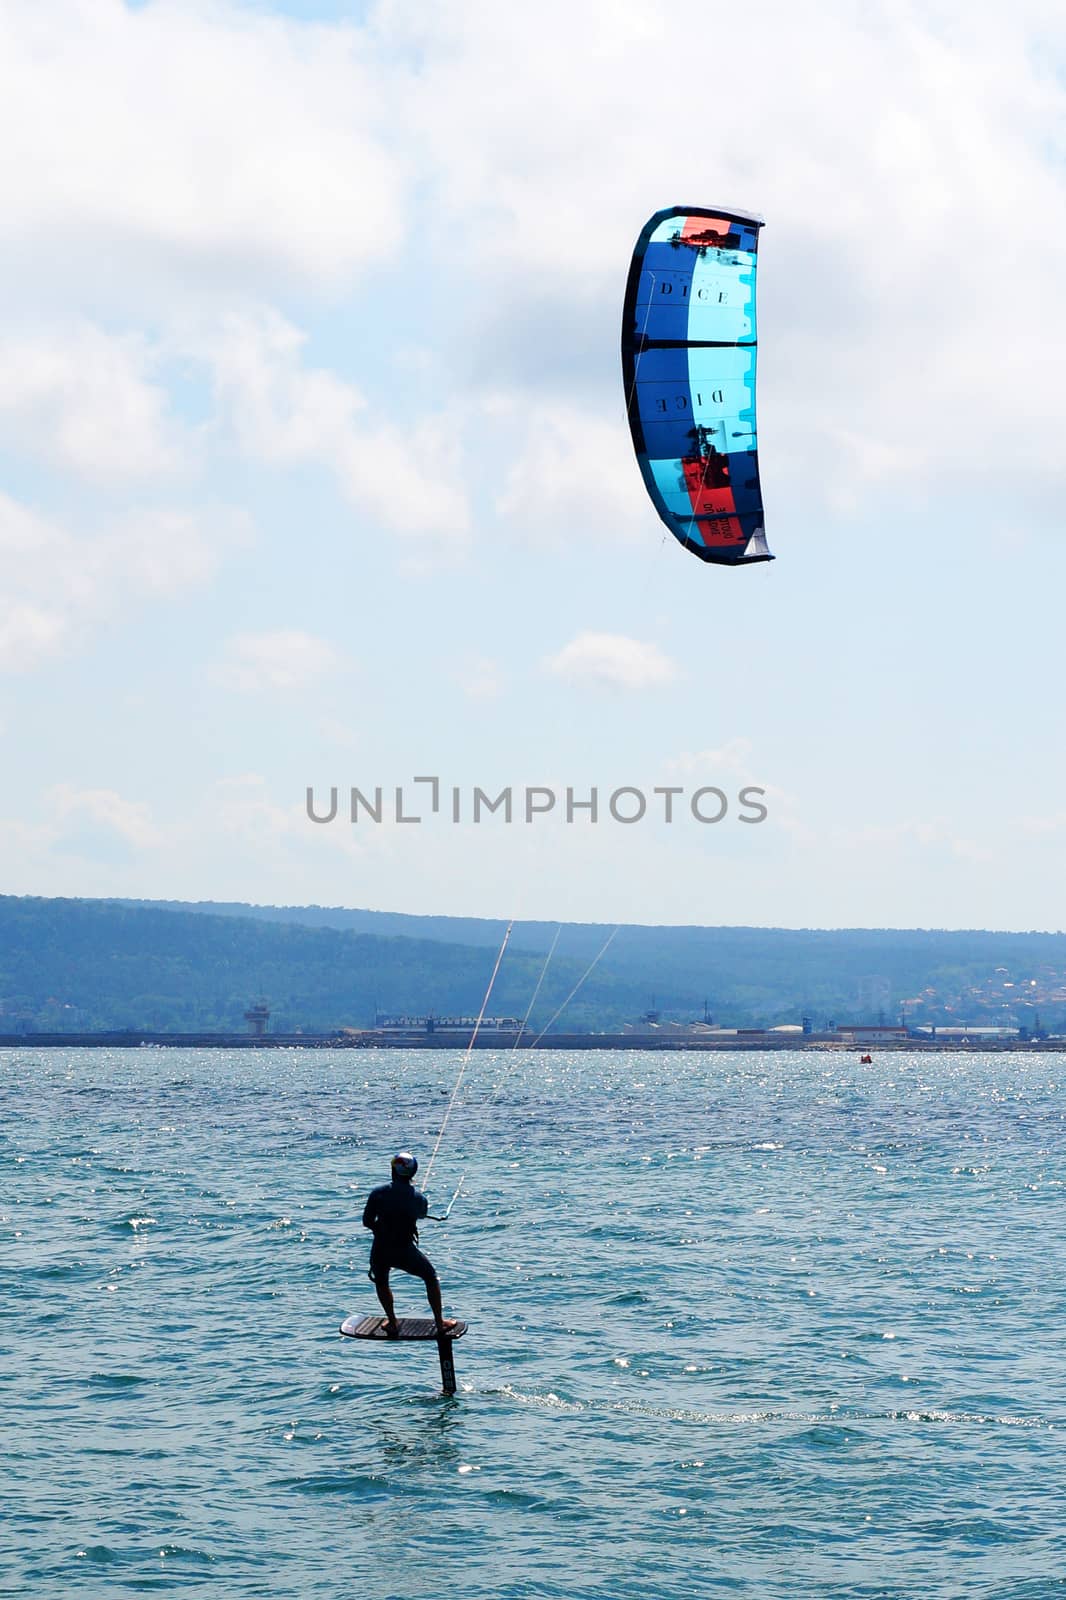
(392, 1213)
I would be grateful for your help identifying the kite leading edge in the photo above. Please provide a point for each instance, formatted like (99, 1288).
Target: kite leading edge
(688, 360)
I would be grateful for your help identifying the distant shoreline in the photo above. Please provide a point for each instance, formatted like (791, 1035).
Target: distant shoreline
(83, 968)
(558, 1041)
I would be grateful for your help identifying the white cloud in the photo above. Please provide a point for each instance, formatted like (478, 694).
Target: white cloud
(481, 678)
(1053, 822)
(911, 315)
(733, 761)
(192, 141)
(28, 633)
(931, 834)
(733, 757)
(82, 399)
(41, 587)
(159, 551)
(242, 814)
(611, 658)
(128, 819)
(281, 412)
(972, 850)
(243, 806)
(339, 731)
(55, 585)
(275, 409)
(283, 660)
(176, 163)
(574, 476)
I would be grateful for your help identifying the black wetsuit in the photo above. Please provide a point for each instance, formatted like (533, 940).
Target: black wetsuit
(393, 1213)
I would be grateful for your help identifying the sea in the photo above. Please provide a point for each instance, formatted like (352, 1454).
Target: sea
(775, 1325)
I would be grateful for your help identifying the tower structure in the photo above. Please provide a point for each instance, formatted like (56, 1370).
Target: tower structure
(257, 1016)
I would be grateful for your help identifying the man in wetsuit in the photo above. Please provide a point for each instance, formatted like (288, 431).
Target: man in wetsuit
(393, 1213)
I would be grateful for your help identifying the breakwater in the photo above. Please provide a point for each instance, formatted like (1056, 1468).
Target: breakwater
(370, 1039)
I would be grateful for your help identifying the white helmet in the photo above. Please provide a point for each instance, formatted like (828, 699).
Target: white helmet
(404, 1165)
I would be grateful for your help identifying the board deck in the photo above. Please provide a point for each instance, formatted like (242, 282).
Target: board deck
(355, 1327)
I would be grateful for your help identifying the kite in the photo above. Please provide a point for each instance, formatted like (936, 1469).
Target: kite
(688, 362)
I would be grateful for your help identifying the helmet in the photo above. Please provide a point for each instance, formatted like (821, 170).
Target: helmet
(404, 1165)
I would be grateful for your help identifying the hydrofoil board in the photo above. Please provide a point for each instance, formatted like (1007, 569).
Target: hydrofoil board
(355, 1327)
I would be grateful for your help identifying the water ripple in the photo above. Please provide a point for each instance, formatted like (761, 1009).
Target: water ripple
(784, 1327)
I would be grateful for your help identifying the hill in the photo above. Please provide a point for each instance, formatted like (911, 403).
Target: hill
(84, 964)
(69, 965)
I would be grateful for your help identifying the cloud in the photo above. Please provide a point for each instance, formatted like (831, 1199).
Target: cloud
(243, 814)
(611, 658)
(43, 592)
(242, 805)
(971, 850)
(167, 150)
(55, 586)
(274, 408)
(160, 551)
(81, 399)
(733, 761)
(375, 257)
(283, 660)
(574, 476)
(279, 411)
(128, 819)
(481, 678)
(194, 142)
(885, 352)
(733, 757)
(1040, 826)
(28, 633)
(930, 834)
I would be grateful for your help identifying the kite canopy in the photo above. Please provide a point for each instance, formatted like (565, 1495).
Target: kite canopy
(688, 359)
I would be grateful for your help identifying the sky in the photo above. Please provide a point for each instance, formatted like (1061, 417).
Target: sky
(314, 467)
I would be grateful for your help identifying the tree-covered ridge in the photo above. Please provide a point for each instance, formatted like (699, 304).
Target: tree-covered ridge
(84, 964)
(93, 964)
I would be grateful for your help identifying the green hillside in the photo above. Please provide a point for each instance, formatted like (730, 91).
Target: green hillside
(84, 964)
(93, 964)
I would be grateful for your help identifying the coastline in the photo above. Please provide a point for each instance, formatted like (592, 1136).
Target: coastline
(370, 1040)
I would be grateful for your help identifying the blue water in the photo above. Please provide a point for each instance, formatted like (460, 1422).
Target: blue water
(776, 1325)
